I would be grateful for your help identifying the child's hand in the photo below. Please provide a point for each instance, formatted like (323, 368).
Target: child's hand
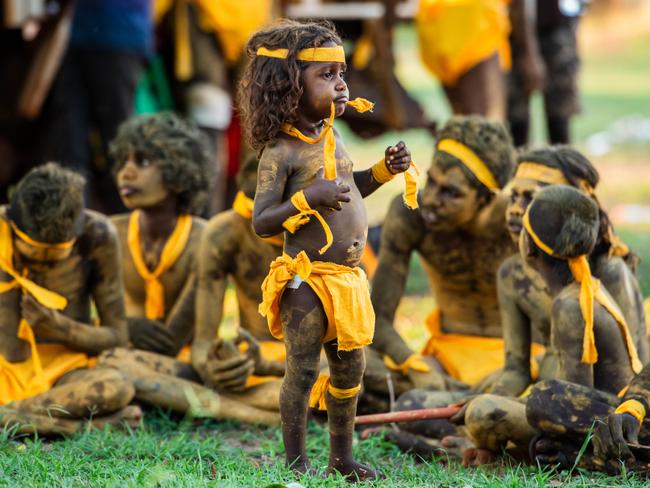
(397, 158)
(326, 193)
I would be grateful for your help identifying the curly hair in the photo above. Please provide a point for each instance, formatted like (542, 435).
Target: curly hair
(489, 140)
(270, 88)
(47, 204)
(578, 170)
(176, 146)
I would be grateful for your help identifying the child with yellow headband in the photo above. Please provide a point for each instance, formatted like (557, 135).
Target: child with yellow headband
(55, 258)
(161, 173)
(589, 333)
(292, 90)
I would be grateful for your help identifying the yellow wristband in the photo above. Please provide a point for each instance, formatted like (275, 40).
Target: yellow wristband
(634, 407)
(381, 173)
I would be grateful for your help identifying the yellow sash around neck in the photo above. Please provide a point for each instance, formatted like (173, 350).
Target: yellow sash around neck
(154, 290)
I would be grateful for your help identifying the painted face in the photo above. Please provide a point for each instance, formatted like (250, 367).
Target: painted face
(323, 83)
(140, 183)
(448, 199)
(521, 194)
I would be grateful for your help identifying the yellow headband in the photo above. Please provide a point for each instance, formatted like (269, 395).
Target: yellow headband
(334, 54)
(538, 172)
(590, 290)
(41, 245)
(471, 161)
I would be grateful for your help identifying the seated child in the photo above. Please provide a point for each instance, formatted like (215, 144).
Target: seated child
(315, 295)
(524, 300)
(55, 258)
(230, 250)
(589, 333)
(161, 174)
(460, 235)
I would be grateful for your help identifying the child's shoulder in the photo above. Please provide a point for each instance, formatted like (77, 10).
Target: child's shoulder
(282, 150)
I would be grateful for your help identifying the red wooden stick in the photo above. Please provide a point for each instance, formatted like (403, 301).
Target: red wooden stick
(409, 415)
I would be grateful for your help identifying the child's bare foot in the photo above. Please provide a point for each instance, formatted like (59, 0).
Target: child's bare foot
(354, 471)
(477, 457)
(299, 466)
(131, 416)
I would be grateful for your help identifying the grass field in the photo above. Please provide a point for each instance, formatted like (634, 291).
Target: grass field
(190, 453)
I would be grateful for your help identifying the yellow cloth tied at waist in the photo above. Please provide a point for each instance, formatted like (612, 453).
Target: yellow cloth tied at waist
(469, 358)
(154, 290)
(590, 290)
(47, 362)
(457, 35)
(243, 206)
(343, 292)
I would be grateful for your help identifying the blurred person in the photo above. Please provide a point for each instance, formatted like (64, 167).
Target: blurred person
(545, 58)
(94, 89)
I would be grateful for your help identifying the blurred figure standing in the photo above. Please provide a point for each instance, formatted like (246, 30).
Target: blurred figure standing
(546, 60)
(94, 89)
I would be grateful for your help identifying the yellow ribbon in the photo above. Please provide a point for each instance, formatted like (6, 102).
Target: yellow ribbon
(471, 161)
(323, 385)
(293, 223)
(590, 290)
(334, 54)
(634, 408)
(382, 174)
(41, 245)
(154, 291)
(42, 295)
(544, 174)
(414, 362)
(244, 207)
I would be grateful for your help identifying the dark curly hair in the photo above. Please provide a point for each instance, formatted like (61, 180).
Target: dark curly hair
(488, 139)
(176, 146)
(270, 88)
(47, 204)
(578, 170)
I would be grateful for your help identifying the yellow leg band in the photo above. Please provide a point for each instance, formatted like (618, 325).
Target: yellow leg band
(634, 407)
(343, 393)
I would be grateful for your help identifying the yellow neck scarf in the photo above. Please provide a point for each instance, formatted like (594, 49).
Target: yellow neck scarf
(244, 207)
(471, 161)
(590, 290)
(44, 296)
(154, 291)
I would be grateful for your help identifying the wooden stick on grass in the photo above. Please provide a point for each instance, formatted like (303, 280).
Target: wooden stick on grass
(409, 415)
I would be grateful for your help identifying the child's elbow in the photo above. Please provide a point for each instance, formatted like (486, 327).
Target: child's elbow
(260, 227)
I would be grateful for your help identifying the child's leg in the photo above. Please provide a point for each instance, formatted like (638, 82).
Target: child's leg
(346, 371)
(303, 324)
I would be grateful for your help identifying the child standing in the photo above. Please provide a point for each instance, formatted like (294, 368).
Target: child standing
(293, 88)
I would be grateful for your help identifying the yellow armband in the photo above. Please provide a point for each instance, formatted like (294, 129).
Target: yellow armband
(293, 223)
(634, 407)
(414, 362)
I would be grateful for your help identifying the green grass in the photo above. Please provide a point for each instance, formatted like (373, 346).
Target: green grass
(201, 453)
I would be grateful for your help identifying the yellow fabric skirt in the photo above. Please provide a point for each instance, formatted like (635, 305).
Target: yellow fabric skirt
(343, 292)
(456, 35)
(469, 358)
(19, 380)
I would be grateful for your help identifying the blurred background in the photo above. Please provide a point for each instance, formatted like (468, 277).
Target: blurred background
(72, 71)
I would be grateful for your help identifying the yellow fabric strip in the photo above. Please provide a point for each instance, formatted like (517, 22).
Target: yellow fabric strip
(634, 408)
(243, 205)
(343, 393)
(154, 291)
(334, 54)
(589, 291)
(342, 291)
(293, 223)
(317, 395)
(414, 362)
(381, 173)
(534, 171)
(469, 158)
(41, 245)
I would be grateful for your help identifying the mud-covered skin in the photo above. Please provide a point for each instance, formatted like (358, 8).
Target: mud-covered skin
(461, 264)
(167, 383)
(90, 272)
(179, 281)
(304, 324)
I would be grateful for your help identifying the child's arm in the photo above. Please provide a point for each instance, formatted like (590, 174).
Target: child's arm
(397, 160)
(270, 212)
(566, 338)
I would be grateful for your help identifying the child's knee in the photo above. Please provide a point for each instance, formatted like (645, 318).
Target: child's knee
(302, 378)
